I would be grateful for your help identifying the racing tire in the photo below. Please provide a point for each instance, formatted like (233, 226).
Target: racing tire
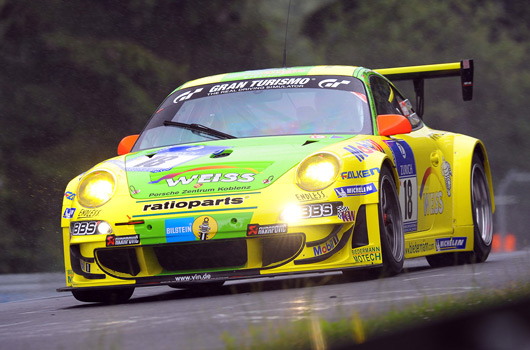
(390, 225)
(482, 211)
(106, 296)
(391, 233)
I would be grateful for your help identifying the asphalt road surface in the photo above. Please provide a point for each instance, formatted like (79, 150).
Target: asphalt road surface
(34, 316)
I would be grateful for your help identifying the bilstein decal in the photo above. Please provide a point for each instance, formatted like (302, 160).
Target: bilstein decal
(204, 228)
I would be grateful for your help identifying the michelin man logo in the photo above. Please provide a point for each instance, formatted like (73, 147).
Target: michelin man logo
(447, 173)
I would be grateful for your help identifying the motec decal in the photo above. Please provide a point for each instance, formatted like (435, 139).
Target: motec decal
(367, 254)
(173, 204)
(204, 228)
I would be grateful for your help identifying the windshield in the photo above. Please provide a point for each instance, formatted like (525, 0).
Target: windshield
(260, 107)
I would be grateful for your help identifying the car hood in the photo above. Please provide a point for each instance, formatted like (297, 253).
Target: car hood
(219, 166)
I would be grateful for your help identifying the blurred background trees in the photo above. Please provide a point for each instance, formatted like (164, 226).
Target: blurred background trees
(77, 76)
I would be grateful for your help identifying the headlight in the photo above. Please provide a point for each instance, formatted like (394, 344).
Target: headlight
(96, 188)
(318, 171)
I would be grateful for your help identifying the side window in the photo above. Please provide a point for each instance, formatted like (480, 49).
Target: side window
(389, 101)
(384, 96)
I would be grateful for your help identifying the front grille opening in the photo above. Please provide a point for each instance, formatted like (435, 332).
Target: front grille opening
(203, 255)
(122, 260)
(278, 249)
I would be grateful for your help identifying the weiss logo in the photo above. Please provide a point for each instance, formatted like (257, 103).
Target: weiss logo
(186, 96)
(332, 83)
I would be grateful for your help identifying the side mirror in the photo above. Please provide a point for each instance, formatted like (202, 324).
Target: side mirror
(126, 144)
(393, 124)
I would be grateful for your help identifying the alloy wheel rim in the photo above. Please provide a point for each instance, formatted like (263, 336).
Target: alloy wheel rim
(481, 204)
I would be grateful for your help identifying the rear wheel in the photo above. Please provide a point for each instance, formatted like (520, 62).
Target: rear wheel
(107, 296)
(482, 221)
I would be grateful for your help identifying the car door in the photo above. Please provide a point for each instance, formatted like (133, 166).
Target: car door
(423, 165)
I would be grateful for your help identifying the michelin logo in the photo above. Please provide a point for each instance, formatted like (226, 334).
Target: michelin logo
(453, 243)
(358, 190)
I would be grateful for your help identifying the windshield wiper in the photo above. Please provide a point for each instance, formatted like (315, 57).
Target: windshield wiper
(199, 129)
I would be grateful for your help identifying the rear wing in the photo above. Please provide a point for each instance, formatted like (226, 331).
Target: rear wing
(418, 74)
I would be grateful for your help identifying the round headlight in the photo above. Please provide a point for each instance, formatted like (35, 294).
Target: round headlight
(318, 171)
(96, 188)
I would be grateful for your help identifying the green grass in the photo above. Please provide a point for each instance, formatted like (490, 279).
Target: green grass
(316, 333)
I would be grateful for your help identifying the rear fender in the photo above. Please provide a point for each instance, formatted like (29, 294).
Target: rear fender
(464, 149)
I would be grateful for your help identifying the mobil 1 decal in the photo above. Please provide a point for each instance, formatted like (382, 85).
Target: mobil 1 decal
(408, 193)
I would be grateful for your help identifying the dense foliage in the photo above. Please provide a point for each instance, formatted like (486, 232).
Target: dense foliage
(77, 76)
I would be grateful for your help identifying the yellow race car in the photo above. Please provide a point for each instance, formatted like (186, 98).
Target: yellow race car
(279, 171)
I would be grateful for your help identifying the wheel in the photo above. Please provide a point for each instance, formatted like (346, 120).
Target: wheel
(391, 233)
(107, 296)
(482, 212)
(482, 222)
(390, 225)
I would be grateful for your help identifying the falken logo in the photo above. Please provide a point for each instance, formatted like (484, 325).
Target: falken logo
(450, 243)
(332, 83)
(360, 190)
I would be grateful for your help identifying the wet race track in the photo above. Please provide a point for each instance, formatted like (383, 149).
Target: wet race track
(34, 316)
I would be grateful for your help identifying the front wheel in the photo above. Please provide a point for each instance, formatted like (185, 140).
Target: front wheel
(106, 296)
(390, 225)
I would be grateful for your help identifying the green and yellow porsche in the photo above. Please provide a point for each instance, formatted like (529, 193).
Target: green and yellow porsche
(276, 172)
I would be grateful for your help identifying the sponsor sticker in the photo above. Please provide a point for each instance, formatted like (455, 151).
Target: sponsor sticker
(168, 158)
(88, 213)
(257, 229)
(345, 214)
(358, 190)
(69, 195)
(204, 228)
(113, 240)
(453, 243)
(408, 193)
(69, 213)
(310, 196)
(326, 247)
(179, 230)
(174, 204)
